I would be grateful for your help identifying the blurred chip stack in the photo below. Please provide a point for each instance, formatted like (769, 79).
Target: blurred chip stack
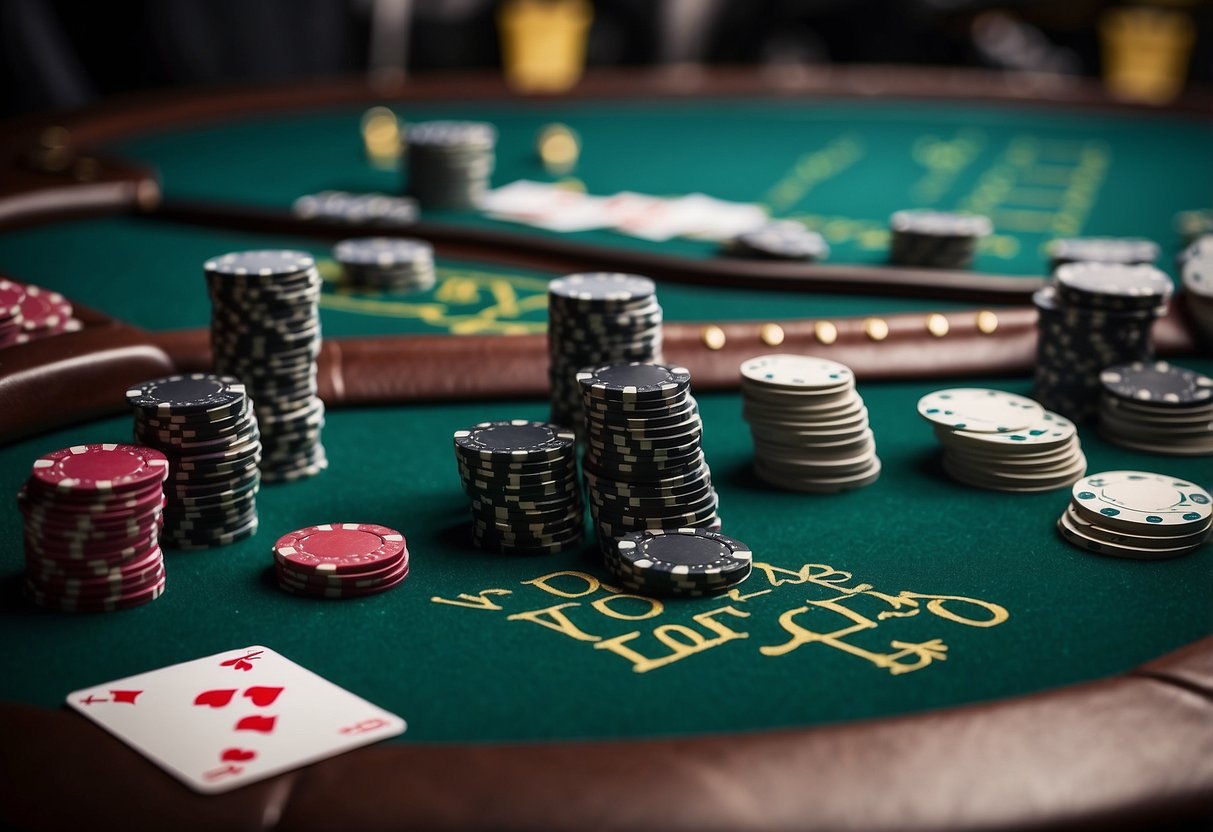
(1127, 251)
(1158, 408)
(781, 240)
(450, 163)
(265, 331)
(1196, 269)
(386, 264)
(1094, 315)
(597, 318)
(935, 239)
(644, 466)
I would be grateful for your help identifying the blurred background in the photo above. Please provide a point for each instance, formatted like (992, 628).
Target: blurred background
(59, 54)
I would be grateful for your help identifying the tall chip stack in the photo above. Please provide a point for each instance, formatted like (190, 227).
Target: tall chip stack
(450, 163)
(597, 318)
(1093, 316)
(265, 331)
(386, 264)
(92, 528)
(935, 239)
(809, 425)
(644, 467)
(204, 424)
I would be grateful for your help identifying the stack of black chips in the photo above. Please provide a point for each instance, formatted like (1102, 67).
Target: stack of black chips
(386, 264)
(781, 240)
(643, 464)
(1094, 315)
(204, 424)
(450, 163)
(597, 318)
(935, 239)
(265, 331)
(1127, 251)
(521, 477)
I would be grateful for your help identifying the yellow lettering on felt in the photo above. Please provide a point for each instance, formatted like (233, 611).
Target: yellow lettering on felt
(554, 618)
(604, 606)
(813, 168)
(473, 602)
(544, 582)
(679, 640)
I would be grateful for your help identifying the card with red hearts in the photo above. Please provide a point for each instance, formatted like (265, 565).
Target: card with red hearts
(234, 718)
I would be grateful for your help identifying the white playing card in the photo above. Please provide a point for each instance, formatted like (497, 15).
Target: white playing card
(234, 718)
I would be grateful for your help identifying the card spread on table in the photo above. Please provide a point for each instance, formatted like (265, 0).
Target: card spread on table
(234, 718)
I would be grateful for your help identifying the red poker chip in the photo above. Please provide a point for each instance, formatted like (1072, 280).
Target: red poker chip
(43, 309)
(139, 563)
(91, 550)
(40, 498)
(100, 523)
(100, 468)
(83, 537)
(51, 602)
(11, 294)
(293, 588)
(339, 548)
(348, 579)
(100, 591)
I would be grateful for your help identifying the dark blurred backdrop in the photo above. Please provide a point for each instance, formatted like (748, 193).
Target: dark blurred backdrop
(58, 53)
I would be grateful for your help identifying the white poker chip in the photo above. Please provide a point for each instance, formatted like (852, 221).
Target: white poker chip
(1051, 431)
(978, 410)
(1142, 503)
(796, 372)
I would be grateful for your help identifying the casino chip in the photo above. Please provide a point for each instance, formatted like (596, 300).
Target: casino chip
(93, 515)
(1196, 269)
(341, 560)
(687, 562)
(42, 314)
(1158, 408)
(265, 331)
(386, 264)
(450, 163)
(596, 318)
(935, 239)
(809, 425)
(1003, 442)
(643, 465)
(362, 210)
(205, 426)
(521, 478)
(1121, 250)
(1134, 514)
(783, 240)
(1095, 315)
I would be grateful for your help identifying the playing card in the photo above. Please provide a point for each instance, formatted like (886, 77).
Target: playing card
(234, 718)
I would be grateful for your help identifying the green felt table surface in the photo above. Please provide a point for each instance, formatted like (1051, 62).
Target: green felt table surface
(939, 594)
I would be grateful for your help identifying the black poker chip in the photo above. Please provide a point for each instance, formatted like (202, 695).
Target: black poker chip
(1158, 383)
(785, 240)
(634, 382)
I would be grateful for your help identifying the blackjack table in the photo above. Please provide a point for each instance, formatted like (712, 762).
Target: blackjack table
(914, 654)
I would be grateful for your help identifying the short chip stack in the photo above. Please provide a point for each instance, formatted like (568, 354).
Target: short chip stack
(341, 560)
(92, 527)
(1003, 442)
(450, 163)
(596, 318)
(386, 264)
(679, 562)
(782, 240)
(935, 239)
(204, 424)
(45, 313)
(1127, 251)
(265, 331)
(365, 210)
(1158, 408)
(809, 425)
(1196, 269)
(522, 479)
(1093, 316)
(644, 467)
(1136, 514)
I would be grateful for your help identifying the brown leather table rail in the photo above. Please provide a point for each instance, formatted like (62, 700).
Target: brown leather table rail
(1133, 751)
